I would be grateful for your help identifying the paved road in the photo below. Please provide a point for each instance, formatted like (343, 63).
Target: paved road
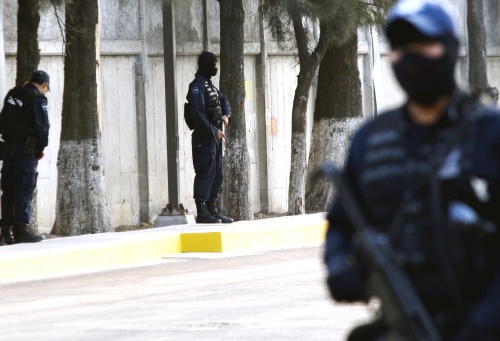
(276, 295)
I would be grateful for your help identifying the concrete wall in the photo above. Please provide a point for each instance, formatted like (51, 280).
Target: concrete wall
(133, 99)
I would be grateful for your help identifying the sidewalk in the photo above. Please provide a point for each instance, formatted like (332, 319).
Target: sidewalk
(93, 252)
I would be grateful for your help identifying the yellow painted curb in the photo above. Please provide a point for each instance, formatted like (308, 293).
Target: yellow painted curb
(45, 264)
(96, 252)
(247, 239)
(201, 241)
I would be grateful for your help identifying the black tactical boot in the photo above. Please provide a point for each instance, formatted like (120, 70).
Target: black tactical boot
(22, 234)
(6, 236)
(203, 216)
(214, 211)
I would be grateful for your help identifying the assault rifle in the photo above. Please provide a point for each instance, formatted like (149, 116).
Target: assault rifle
(402, 308)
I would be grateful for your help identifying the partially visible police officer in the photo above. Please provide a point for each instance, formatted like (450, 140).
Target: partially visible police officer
(25, 130)
(209, 109)
(428, 175)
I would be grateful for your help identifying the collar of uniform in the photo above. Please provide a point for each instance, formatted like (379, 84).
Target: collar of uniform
(450, 114)
(458, 97)
(444, 119)
(33, 87)
(203, 78)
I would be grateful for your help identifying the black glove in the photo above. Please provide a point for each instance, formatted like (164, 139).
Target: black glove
(470, 332)
(346, 281)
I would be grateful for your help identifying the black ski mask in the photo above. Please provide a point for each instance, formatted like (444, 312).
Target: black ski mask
(424, 79)
(206, 64)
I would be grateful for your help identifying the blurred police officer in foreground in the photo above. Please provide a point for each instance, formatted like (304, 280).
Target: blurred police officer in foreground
(428, 175)
(24, 125)
(209, 109)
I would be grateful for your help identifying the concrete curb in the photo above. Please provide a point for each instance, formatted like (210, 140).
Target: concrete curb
(68, 255)
(256, 235)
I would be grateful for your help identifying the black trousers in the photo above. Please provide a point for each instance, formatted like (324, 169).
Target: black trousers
(18, 185)
(207, 163)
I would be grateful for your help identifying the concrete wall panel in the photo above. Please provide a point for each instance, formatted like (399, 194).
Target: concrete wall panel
(119, 136)
(494, 71)
(282, 73)
(10, 20)
(189, 21)
(47, 167)
(156, 134)
(254, 145)
(126, 25)
(185, 71)
(123, 41)
(492, 13)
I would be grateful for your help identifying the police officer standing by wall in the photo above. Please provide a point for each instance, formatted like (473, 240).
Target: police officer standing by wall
(24, 125)
(427, 176)
(209, 110)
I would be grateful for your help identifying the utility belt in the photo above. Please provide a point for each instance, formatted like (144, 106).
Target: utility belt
(28, 146)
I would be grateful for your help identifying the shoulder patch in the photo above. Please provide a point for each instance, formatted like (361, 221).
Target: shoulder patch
(195, 90)
(12, 100)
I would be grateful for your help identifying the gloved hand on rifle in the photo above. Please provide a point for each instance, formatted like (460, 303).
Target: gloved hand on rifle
(345, 279)
(471, 332)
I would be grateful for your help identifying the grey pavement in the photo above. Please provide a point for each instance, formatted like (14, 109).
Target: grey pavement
(274, 295)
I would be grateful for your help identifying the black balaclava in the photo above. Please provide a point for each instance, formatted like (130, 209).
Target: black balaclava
(424, 79)
(206, 64)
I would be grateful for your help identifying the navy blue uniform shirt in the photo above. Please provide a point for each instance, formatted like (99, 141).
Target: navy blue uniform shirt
(41, 117)
(196, 98)
(484, 165)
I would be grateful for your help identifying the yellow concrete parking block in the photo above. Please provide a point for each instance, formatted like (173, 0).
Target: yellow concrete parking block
(282, 232)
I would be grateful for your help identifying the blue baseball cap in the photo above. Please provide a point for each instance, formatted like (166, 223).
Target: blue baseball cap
(431, 18)
(40, 76)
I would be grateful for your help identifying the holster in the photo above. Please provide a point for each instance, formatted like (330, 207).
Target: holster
(29, 145)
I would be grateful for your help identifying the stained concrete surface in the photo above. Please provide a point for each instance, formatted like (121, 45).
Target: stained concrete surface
(269, 295)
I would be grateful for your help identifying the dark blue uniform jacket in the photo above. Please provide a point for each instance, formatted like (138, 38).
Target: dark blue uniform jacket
(484, 161)
(197, 97)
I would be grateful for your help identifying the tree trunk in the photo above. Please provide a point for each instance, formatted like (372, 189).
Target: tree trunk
(338, 110)
(298, 162)
(308, 65)
(28, 58)
(28, 54)
(236, 187)
(81, 198)
(478, 77)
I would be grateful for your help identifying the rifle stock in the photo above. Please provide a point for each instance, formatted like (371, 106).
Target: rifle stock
(401, 305)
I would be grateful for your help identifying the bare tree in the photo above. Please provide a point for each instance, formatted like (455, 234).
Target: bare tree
(81, 201)
(304, 16)
(338, 110)
(338, 21)
(477, 57)
(28, 53)
(236, 187)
